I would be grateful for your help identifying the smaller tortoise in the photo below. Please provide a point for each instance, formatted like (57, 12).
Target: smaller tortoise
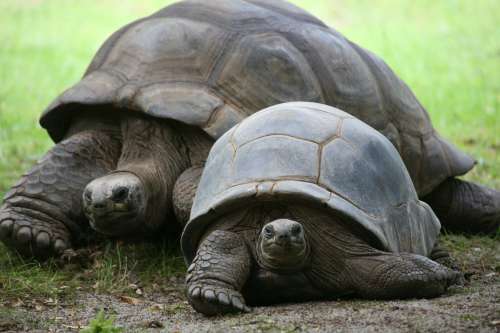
(302, 201)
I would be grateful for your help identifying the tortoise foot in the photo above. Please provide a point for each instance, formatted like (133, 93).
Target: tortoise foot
(217, 273)
(33, 237)
(398, 276)
(424, 277)
(213, 298)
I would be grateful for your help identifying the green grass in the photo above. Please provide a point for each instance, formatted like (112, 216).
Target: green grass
(110, 267)
(102, 324)
(21, 278)
(448, 51)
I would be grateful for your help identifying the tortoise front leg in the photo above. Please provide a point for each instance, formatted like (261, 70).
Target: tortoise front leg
(404, 275)
(42, 214)
(184, 192)
(217, 274)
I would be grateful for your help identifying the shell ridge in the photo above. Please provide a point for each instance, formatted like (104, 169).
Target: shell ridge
(277, 135)
(314, 61)
(305, 179)
(284, 13)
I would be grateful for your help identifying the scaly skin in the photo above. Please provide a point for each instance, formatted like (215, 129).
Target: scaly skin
(441, 255)
(217, 274)
(403, 275)
(463, 206)
(184, 192)
(42, 215)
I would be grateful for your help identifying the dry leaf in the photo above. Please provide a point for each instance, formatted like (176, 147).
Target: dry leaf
(50, 301)
(157, 307)
(72, 327)
(17, 303)
(129, 300)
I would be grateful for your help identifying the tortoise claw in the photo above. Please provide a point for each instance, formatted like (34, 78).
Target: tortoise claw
(6, 229)
(43, 240)
(209, 295)
(239, 304)
(24, 235)
(60, 246)
(32, 237)
(223, 298)
(214, 299)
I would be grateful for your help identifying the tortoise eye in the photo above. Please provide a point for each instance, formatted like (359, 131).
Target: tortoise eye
(87, 195)
(268, 231)
(296, 229)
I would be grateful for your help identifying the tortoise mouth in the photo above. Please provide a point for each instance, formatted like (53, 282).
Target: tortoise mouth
(114, 219)
(115, 223)
(115, 204)
(293, 247)
(287, 258)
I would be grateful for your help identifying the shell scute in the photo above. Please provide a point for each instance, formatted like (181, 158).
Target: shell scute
(266, 70)
(293, 122)
(157, 49)
(276, 157)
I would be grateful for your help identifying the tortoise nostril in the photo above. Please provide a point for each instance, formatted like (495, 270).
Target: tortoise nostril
(120, 194)
(283, 237)
(296, 229)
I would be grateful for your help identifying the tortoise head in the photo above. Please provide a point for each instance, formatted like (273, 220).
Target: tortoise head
(282, 246)
(115, 204)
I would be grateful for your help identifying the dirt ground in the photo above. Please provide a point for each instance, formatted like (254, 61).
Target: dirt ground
(473, 308)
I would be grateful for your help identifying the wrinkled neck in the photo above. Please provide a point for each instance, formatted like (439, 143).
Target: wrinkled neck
(153, 151)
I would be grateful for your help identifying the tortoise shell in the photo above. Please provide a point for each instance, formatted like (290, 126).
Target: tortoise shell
(210, 64)
(313, 154)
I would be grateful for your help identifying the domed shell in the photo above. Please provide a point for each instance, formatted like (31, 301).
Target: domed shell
(309, 152)
(210, 64)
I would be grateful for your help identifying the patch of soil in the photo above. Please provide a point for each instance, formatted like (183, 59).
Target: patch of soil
(475, 307)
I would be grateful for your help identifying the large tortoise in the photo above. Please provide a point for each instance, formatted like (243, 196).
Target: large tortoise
(302, 201)
(163, 88)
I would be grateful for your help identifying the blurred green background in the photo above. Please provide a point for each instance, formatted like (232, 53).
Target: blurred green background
(448, 51)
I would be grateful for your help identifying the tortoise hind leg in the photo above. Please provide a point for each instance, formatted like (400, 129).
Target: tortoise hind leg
(403, 275)
(463, 206)
(42, 215)
(184, 192)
